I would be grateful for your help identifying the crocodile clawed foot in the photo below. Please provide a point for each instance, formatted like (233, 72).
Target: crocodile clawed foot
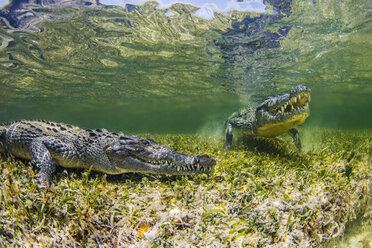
(43, 180)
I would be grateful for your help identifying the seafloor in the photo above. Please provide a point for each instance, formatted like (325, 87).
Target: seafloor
(263, 193)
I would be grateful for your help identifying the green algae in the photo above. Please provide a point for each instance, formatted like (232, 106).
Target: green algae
(262, 193)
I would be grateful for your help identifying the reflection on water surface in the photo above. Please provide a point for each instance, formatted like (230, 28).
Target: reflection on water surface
(90, 60)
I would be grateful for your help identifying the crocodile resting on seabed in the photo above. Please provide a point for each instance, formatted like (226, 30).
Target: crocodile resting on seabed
(49, 144)
(275, 116)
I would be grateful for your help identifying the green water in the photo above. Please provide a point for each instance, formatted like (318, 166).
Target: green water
(115, 69)
(146, 71)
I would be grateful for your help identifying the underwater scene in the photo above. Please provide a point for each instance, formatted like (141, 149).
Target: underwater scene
(274, 95)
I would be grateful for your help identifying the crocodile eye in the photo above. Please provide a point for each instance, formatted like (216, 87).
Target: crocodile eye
(144, 142)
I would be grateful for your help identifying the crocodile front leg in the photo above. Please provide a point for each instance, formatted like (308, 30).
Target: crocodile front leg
(229, 135)
(296, 137)
(41, 150)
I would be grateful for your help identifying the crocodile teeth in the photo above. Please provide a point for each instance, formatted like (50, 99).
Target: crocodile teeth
(295, 99)
(282, 109)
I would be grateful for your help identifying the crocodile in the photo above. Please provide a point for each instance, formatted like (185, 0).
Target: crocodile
(48, 144)
(275, 116)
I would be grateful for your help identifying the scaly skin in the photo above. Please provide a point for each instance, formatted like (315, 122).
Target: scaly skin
(49, 144)
(275, 116)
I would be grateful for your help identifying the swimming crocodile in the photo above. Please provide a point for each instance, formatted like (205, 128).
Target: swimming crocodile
(49, 144)
(277, 115)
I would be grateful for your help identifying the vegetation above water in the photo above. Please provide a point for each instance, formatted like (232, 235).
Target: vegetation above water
(263, 192)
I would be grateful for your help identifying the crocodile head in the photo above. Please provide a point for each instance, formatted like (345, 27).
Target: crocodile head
(135, 154)
(278, 114)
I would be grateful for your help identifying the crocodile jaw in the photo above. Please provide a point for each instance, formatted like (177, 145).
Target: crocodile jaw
(279, 114)
(274, 129)
(135, 154)
(191, 165)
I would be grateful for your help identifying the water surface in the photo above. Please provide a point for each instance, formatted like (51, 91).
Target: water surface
(142, 69)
